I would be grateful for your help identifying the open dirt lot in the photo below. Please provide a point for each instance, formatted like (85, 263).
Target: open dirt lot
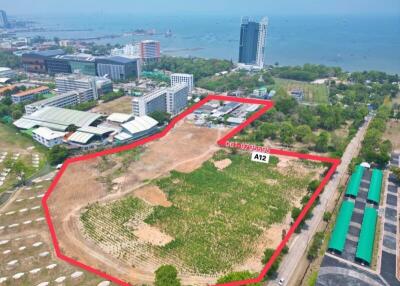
(122, 104)
(184, 148)
(392, 133)
(101, 182)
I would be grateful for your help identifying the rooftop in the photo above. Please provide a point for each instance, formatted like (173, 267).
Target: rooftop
(32, 91)
(47, 133)
(46, 53)
(119, 117)
(140, 124)
(57, 118)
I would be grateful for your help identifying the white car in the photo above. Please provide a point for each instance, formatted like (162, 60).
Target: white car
(281, 281)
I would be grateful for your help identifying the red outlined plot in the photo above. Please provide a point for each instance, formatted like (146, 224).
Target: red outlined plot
(266, 105)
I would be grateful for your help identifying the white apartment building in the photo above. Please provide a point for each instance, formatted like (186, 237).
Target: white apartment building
(171, 99)
(48, 137)
(177, 98)
(178, 78)
(66, 99)
(72, 82)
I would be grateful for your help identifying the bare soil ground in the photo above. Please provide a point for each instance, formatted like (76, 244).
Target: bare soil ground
(184, 149)
(122, 104)
(392, 133)
(152, 235)
(153, 196)
(222, 164)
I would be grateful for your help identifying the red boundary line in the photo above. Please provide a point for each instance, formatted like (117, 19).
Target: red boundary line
(222, 142)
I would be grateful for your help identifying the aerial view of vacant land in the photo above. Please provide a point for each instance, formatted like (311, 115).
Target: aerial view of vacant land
(181, 200)
(122, 104)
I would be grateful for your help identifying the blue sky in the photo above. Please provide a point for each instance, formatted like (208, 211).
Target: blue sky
(203, 7)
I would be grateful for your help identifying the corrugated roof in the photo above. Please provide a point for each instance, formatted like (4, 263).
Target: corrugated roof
(119, 117)
(47, 133)
(339, 233)
(374, 193)
(367, 235)
(99, 130)
(57, 118)
(140, 124)
(355, 181)
(80, 137)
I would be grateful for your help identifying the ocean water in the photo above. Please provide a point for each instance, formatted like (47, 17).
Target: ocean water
(351, 42)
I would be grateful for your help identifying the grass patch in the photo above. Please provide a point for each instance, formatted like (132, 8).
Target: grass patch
(317, 93)
(99, 221)
(217, 215)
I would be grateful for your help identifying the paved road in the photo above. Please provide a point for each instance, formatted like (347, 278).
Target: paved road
(298, 246)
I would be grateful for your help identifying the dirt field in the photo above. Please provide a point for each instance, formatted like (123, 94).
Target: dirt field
(106, 180)
(191, 147)
(392, 133)
(122, 104)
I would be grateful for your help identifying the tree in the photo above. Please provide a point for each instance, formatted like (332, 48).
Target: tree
(57, 154)
(327, 216)
(396, 172)
(315, 246)
(20, 169)
(322, 142)
(312, 186)
(267, 256)
(167, 275)
(303, 133)
(286, 133)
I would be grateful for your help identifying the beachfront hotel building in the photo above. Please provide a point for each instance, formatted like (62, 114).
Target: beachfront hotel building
(252, 42)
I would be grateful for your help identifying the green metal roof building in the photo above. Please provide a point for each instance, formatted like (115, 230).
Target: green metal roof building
(355, 181)
(374, 193)
(367, 236)
(339, 233)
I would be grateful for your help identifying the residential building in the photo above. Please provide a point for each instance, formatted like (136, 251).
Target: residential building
(36, 61)
(7, 73)
(252, 42)
(177, 98)
(67, 99)
(149, 103)
(4, 20)
(178, 78)
(30, 94)
(118, 68)
(170, 99)
(48, 137)
(129, 51)
(72, 82)
(150, 50)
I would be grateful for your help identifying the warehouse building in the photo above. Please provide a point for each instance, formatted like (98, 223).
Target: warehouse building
(139, 127)
(58, 119)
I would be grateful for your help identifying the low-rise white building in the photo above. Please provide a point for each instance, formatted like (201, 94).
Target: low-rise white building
(7, 73)
(48, 137)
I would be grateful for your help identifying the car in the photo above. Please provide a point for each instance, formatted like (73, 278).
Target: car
(281, 281)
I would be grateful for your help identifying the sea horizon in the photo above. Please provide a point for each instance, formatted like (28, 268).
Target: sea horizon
(354, 43)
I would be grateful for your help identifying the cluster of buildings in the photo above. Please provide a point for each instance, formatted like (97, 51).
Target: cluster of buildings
(56, 61)
(51, 123)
